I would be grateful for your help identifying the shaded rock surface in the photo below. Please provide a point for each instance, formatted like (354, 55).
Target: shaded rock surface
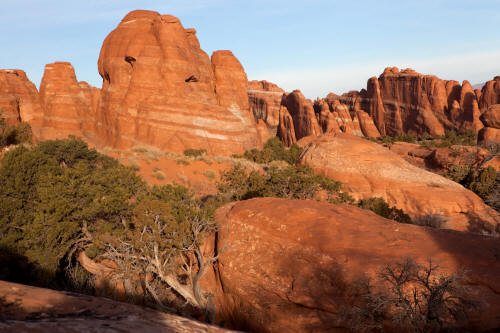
(30, 309)
(289, 263)
(265, 103)
(369, 170)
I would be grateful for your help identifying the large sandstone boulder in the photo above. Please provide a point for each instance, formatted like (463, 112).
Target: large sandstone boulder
(68, 106)
(288, 264)
(30, 309)
(491, 117)
(489, 136)
(371, 170)
(161, 89)
(19, 99)
(490, 94)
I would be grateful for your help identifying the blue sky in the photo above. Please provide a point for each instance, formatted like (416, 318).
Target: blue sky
(317, 46)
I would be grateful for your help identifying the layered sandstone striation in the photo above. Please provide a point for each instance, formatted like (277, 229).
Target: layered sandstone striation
(68, 106)
(300, 259)
(160, 89)
(370, 170)
(19, 99)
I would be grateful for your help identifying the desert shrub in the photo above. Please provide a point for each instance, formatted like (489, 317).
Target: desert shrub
(493, 197)
(14, 134)
(53, 192)
(405, 138)
(210, 174)
(380, 207)
(139, 149)
(437, 221)
(457, 172)
(481, 181)
(134, 165)
(467, 138)
(159, 175)
(274, 150)
(60, 197)
(194, 152)
(387, 140)
(414, 298)
(291, 182)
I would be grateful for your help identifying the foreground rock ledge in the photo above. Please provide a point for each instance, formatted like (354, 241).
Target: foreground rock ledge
(34, 309)
(287, 260)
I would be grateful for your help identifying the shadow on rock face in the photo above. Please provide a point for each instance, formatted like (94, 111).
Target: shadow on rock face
(26, 309)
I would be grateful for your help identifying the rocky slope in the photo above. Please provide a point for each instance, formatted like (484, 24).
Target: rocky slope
(370, 170)
(298, 259)
(30, 309)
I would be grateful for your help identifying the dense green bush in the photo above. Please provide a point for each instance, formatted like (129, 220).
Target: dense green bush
(14, 134)
(60, 197)
(194, 152)
(290, 182)
(467, 138)
(479, 180)
(380, 207)
(274, 150)
(49, 193)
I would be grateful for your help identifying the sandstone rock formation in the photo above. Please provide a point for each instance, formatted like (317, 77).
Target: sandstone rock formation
(326, 115)
(404, 101)
(291, 263)
(68, 106)
(440, 159)
(265, 102)
(369, 170)
(491, 117)
(302, 112)
(367, 125)
(286, 130)
(30, 309)
(92, 94)
(490, 94)
(19, 99)
(160, 89)
(489, 136)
